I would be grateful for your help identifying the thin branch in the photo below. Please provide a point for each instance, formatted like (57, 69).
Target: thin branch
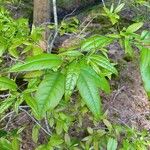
(47, 124)
(7, 115)
(4, 95)
(118, 92)
(119, 2)
(103, 3)
(24, 106)
(48, 133)
(85, 27)
(69, 14)
(50, 46)
(10, 118)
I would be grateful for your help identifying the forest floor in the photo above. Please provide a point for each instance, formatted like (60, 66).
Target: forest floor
(127, 104)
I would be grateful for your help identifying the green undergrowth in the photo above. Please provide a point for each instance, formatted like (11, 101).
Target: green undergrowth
(61, 92)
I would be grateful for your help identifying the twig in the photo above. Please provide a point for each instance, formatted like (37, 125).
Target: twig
(10, 117)
(50, 46)
(47, 124)
(118, 92)
(119, 2)
(48, 133)
(69, 14)
(4, 96)
(7, 115)
(24, 106)
(103, 3)
(86, 26)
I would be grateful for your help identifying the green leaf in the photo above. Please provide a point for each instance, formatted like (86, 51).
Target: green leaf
(7, 84)
(13, 52)
(114, 18)
(119, 8)
(38, 62)
(50, 92)
(112, 8)
(71, 79)
(107, 124)
(5, 144)
(145, 68)
(103, 84)
(100, 80)
(112, 144)
(95, 42)
(55, 140)
(95, 67)
(59, 127)
(3, 133)
(2, 50)
(44, 147)
(4, 105)
(134, 27)
(103, 62)
(73, 53)
(33, 74)
(145, 36)
(67, 139)
(32, 103)
(89, 92)
(15, 143)
(128, 48)
(35, 133)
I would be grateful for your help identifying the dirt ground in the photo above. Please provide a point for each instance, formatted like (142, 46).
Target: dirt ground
(128, 103)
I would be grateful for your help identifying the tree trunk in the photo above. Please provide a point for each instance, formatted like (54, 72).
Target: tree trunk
(41, 13)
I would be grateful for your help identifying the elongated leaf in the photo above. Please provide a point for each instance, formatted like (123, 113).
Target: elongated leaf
(95, 42)
(33, 74)
(35, 133)
(112, 8)
(89, 92)
(55, 140)
(50, 92)
(44, 147)
(5, 144)
(4, 105)
(95, 67)
(71, 79)
(112, 144)
(134, 27)
(145, 68)
(15, 143)
(7, 84)
(38, 62)
(145, 37)
(2, 50)
(128, 48)
(100, 80)
(13, 52)
(119, 8)
(33, 104)
(73, 53)
(103, 62)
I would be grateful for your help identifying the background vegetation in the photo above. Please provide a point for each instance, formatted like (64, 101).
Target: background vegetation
(56, 76)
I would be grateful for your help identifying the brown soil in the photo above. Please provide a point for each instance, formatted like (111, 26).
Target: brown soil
(128, 103)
